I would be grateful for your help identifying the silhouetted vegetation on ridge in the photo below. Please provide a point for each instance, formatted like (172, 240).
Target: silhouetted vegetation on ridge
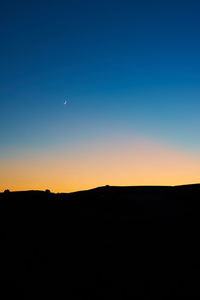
(105, 242)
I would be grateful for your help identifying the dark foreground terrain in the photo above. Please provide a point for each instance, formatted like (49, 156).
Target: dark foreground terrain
(105, 242)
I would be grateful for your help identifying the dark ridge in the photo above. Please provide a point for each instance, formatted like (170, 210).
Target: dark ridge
(105, 242)
(123, 188)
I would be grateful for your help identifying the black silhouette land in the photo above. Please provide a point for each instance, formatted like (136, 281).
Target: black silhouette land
(101, 243)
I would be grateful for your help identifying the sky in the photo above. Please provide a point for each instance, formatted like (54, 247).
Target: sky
(130, 72)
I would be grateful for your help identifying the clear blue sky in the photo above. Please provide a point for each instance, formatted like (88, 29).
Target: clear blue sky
(123, 65)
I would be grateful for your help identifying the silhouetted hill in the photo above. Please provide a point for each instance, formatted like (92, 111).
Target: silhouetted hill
(105, 242)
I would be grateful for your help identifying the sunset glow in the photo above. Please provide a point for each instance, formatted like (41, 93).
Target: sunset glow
(131, 161)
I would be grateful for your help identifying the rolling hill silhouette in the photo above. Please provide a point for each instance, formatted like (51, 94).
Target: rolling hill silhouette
(105, 242)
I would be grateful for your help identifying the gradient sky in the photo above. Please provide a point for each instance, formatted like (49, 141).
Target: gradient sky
(131, 73)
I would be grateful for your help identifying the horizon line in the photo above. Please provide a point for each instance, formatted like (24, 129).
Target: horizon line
(98, 187)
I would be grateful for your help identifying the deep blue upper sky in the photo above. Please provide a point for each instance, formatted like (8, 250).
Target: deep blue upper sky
(123, 65)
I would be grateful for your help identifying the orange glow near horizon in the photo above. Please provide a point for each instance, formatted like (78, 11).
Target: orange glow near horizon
(116, 162)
